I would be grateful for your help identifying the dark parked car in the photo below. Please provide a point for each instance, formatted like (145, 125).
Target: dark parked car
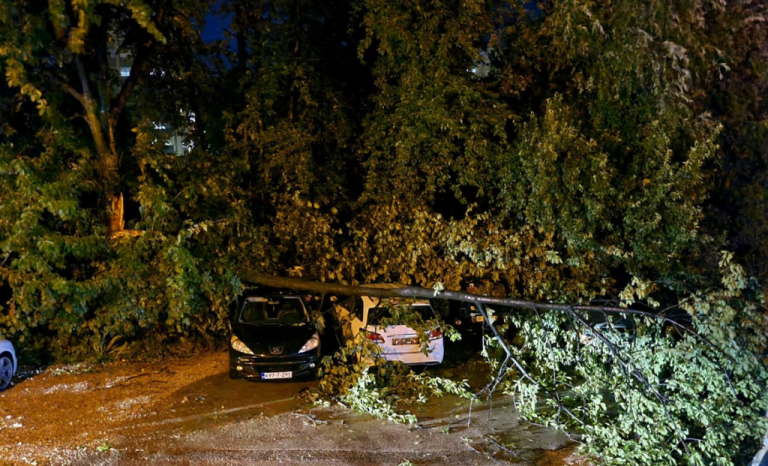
(465, 317)
(625, 327)
(272, 337)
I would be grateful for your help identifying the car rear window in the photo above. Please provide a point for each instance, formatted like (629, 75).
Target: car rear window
(423, 310)
(273, 309)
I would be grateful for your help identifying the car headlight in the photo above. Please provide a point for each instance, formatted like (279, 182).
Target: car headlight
(239, 346)
(311, 343)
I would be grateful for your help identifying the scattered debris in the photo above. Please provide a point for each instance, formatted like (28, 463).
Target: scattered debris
(104, 447)
(314, 421)
(75, 387)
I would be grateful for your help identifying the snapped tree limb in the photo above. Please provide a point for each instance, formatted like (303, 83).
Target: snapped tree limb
(415, 292)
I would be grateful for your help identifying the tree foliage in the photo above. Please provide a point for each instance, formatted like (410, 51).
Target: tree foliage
(572, 150)
(675, 397)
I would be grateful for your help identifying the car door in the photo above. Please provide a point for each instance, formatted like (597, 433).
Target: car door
(349, 318)
(357, 318)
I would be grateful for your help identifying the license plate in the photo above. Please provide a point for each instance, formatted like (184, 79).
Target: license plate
(276, 375)
(478, 319)
(405, 341)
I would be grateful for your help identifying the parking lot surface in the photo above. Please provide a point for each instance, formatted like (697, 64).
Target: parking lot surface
(188, 411)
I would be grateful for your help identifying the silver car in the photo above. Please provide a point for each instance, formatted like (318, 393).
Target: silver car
(8, 363)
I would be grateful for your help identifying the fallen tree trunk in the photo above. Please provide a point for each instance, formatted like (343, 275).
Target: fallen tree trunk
(415, 292)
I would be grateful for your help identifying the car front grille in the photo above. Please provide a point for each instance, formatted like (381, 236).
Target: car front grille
(292, 363)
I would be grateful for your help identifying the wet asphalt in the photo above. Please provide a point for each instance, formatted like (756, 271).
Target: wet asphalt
(191, 412)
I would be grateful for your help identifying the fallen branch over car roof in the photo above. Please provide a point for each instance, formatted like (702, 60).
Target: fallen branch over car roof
(426, 293)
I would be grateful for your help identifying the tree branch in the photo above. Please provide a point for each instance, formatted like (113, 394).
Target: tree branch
(414, 292)
(137, 71)
(68, 89)
(426, 293)
(630, 368)
(492, 385)
(87, 98)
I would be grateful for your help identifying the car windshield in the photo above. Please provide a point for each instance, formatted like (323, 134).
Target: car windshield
(377, 313)
(273, 310)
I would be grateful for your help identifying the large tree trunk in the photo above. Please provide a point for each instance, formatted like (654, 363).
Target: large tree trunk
(108, 168)
(116, 222)
(104, 141)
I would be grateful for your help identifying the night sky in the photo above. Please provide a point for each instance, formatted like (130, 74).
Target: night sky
(214, 27)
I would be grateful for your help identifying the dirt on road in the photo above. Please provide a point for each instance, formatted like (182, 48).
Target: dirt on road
(188, 411)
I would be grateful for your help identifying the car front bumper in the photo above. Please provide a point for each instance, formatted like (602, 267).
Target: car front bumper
(251, 367)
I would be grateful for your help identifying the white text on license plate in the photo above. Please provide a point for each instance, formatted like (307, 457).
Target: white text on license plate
(276, 375)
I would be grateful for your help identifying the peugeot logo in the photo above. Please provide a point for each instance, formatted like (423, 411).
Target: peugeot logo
(276, 349)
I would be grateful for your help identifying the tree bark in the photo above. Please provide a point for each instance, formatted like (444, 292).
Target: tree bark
(424, 293)
(108, 167)
(106, 149)
(413, 292)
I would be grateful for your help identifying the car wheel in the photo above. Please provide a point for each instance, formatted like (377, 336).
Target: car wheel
(233, 374)
(6, 371)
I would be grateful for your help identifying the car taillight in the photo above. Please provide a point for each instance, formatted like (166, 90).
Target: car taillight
(374, 337)
(435, 334)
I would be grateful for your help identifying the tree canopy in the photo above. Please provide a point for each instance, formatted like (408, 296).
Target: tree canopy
(575, 151)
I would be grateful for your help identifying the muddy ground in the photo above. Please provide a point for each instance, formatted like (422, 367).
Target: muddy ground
(188, 411)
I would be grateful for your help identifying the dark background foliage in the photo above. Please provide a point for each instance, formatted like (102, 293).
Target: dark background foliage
(575, 151)
(560, 147)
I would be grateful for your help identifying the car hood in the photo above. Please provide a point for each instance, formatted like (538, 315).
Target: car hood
(262, 338)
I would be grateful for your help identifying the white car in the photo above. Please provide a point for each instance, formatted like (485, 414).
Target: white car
(8, 363)
(761, 458)
(398, 342)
